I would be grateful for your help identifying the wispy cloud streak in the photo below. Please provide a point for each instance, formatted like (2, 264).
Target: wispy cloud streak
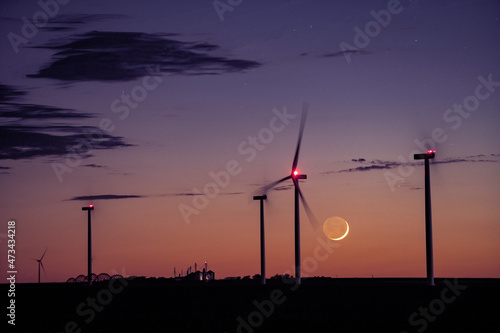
(386, 165)
(137, 196)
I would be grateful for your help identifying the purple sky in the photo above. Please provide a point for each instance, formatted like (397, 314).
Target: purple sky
(132, 106)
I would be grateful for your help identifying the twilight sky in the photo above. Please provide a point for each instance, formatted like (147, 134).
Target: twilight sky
(169, 115)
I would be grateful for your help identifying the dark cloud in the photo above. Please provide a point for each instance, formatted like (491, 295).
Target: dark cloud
(57, 29)
(385, 165)
(104, 197)
(125, 56)
(458, 160)
(189, 194)
(28, 133)
(369, 168)
(346, 53)
(186, 194)
(11, 106)
(34, 111)
(9, 94)
(75, 19)
(94, 166)
(64, 23)
(23, 142)
(137, 196)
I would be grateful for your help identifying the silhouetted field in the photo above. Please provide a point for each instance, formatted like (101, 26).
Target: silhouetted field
(318, 305)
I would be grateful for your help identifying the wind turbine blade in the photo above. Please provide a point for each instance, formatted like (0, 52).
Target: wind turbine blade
(263, 190)
(43, 255)
(305, 107)
(43, 268)
(310, 214)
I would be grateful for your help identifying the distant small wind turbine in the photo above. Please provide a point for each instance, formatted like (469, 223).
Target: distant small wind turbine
(40, 263)
(295, 176)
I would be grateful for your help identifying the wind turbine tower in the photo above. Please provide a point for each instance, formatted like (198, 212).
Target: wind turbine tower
(89, 253)
(261, 198)
(428, 215)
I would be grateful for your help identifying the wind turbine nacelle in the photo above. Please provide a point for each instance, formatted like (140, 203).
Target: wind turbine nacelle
(430, 154)
(90, 207)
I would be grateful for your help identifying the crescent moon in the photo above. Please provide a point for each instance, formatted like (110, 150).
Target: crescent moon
(343, 236)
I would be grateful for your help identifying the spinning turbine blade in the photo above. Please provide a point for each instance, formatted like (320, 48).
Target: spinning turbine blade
(305, 107)
(309, 212)
(43, 255)
(43, 268)
(295, 176)
(263, 190)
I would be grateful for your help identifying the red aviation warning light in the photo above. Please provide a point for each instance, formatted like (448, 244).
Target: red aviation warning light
(428, 155)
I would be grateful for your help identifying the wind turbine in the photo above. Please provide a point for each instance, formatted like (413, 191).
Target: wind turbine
(40, 263)
(428, 216)
(261, 198)
(89, 250)
(295, 176)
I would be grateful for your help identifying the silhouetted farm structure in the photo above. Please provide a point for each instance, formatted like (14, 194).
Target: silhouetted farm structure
(95, 278)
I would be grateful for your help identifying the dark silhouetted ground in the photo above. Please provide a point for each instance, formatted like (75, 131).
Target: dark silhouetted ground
(318, 305)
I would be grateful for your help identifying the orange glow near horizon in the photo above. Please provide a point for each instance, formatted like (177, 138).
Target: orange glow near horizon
(388, 238)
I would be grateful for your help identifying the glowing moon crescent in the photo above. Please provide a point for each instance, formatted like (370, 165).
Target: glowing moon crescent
(333, 226)
(346, 232)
